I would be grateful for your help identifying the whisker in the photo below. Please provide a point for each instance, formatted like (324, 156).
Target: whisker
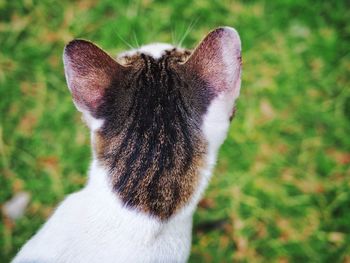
(188, 30)
(135, 39)
(124, 41)
(173, 37)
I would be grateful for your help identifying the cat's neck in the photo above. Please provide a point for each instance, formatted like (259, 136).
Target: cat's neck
(99, 183)
(214, 130)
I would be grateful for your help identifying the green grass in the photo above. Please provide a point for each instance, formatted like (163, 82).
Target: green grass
(282, 183)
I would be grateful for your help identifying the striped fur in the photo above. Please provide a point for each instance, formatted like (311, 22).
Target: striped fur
(154, 157)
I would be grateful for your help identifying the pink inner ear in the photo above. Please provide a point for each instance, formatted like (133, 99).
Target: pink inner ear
(89, 72)
(89, 99)
(217, 59)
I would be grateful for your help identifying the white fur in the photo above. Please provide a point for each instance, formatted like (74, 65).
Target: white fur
(92, 225)
(93, 123)
(156, 50)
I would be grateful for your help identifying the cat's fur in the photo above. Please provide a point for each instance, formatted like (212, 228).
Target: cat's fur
(157, 117)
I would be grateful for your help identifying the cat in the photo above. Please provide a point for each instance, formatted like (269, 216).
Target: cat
(157, 116)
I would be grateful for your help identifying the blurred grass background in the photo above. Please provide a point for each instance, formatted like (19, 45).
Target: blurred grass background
(281, 189)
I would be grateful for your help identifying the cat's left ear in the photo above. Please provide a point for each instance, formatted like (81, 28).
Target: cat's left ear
(89, 73)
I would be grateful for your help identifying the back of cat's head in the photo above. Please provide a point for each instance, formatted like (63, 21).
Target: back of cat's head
(158, 114)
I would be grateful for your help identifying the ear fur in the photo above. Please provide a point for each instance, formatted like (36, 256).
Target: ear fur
(217, 60)
(89, 72)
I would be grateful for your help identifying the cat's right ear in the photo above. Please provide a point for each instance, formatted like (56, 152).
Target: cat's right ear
(89, 72)
(217, 61)
(214, 73)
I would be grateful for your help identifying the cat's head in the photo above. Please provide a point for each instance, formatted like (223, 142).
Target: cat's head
(156, 113)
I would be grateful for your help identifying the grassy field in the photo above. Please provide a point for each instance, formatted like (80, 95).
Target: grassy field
(281, 189)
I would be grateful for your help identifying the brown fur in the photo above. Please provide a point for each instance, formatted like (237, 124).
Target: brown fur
(140, 182)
